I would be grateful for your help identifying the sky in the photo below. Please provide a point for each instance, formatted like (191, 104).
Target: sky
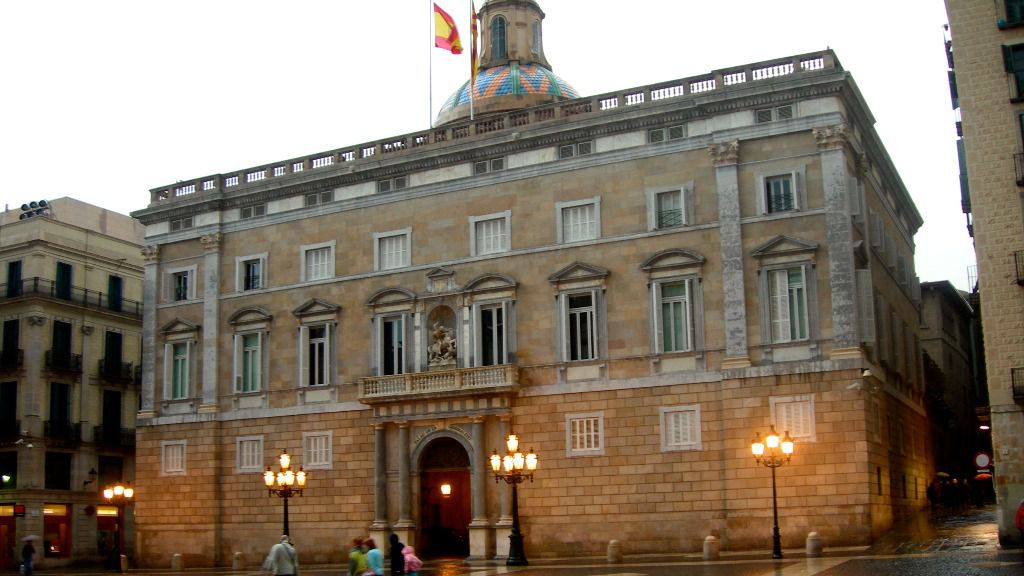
(106, 99)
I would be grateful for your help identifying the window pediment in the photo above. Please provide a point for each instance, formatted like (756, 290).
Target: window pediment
(440, 280)
(784, 246)
(315, 307)
(578, 271)
(179, 326)
(250, 315)
(393, 295)
(673, 259)
(489, 282)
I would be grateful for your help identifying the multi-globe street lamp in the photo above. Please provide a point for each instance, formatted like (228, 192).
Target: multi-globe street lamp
(119, 495)
(285, 483)
(772, 453)
(514, 468)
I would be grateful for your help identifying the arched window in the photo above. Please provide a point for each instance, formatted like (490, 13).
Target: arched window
(536, 37)
(498, 51)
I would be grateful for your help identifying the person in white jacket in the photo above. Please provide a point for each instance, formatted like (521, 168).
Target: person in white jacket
(283, 560)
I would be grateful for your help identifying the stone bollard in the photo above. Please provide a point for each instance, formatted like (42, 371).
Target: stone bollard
(177, 564)
(614, 552)
(711, 548)
(124, 563)
(814, 544)
(238, 562)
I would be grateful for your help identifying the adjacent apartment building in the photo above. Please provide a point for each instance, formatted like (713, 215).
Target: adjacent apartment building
(988, 61)
(71, 305)
(636, 283)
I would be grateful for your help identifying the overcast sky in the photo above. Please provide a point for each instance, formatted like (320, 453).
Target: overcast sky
(102, 100)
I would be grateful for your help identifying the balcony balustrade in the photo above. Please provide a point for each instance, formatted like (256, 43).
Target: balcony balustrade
(454, 382)
(10, 431)
(1018, 164)
(45, 288)
(113, 436)
(1017, 380)
(117, 372)
(62, 432)
(64, 362)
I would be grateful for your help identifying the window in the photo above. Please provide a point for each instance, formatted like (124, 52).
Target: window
(316, 360)
(675, 316)
(177, 370)
(8, 469)
(316, 448)
(391, 249)
(248, 362)
(489, 234)
(317, 261)
(492, 335)
(318, 197)
(172, 455)
(255, 210)
(1014, 12)
(584, 434)
(581, 333)
(62, 286)
(780, 192)
(250, 454)
(250, 272)
(788, 304)
(115, 293)
(680, 428)
(492, 165)
(1013, 61)
(398, 183)
(577, 149)
(656, 135)
(180, 284)
(14, 278)
(669, 208)
(535, 47)
(58, 471)
(498, 51)
(181, 224)
(579, 220)
(769, 114)
(392, 337)
(795, 415)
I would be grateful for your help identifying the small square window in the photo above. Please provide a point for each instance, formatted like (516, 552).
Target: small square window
(670, 209)
(318, 263)
(780, 194)
(490, 234)
(583, 148)
(584, 434)
(795, 415)
(384, 186)
(497, 164)
(253, 211)
(400, 183)
(172, 457)
(656, 135)
(392, 250)
(763, 116)
(250, 454)
(579, 220)
(181, 224)
(784, 112)
(319, 198)
(565, 151)
(317, 450)
(480, 167)
(680, 428)
(676, 132)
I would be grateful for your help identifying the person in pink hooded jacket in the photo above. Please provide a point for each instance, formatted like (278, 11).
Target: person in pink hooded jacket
(412, 563)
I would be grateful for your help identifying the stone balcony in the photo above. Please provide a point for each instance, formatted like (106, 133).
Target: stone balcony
(453, 383)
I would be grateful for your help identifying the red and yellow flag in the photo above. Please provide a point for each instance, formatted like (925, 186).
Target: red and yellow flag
(474, 62)
(446, 35)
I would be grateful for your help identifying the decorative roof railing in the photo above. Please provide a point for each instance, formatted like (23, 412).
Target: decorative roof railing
(718, 80)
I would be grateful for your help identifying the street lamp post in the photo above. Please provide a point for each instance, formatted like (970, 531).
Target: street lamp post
(773, 453)
(514, 468)
(285, 484)
(119, 495)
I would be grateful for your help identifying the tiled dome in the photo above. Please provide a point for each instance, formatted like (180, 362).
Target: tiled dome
(510, 79)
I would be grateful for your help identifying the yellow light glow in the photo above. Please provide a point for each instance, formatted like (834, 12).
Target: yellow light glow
(55, 510)
(280, 478)
(518, 460)
(285, 460)
(446, 489)
(495, 462)
(107, 511)
(531, 461)
(268, 478)
(129, 492)
(108, 493)
(787, 444)
(507, 461)
(118, 490)
(7, 510)
(300, 477)
(773, 439)
(512, 443)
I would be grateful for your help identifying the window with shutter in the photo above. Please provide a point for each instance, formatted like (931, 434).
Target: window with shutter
(680, 426)
(584, 434)
(795, 415)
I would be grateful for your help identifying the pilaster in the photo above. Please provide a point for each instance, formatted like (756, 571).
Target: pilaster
(151, 271)
(725, 158)
(480, 533)
(380, 475)
(832, 143)
(503, 528)
(404, 479)
(211, 324)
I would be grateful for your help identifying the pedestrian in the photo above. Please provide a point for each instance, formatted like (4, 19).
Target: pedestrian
(282, 560)
(27, 552)
(356, 558)
(411, 562)
(1020, 519)
(374, 558)
(932, 492)
(395, 548)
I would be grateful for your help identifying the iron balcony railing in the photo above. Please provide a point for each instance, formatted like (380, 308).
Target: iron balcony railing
(444, 382)
(1018, 164)
(11, 358)
(117, 372)
(1018, 258)
(113, 436)
(57, 360)
(46, 288)
(62, 431)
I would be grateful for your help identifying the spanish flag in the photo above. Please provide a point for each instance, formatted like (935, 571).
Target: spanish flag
(474, 62)
(446, 35)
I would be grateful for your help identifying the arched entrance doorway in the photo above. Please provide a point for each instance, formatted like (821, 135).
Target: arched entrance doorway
(444, 520)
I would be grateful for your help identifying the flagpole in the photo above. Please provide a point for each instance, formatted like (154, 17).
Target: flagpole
(430, 65)
(472, 57)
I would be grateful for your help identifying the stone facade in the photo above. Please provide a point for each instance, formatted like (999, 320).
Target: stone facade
(990, 112)
(70, 375)
(636, 284)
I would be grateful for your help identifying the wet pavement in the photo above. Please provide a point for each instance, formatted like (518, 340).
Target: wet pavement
(962, 543)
